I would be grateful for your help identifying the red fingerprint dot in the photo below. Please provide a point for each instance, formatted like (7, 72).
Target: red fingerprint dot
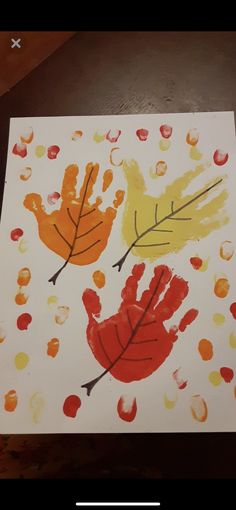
(227, 374)
(233, 310)
(196, 262)
(220, 157)
(142, 134)
(53, 151)
(20, 149)
(166, 131)
(16, 233)
(127, 408)
(23, 321)
(71, 406)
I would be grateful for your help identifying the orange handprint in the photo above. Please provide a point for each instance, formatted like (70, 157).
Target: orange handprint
(78, 231)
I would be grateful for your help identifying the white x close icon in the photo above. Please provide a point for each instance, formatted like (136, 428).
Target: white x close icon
(15, 43)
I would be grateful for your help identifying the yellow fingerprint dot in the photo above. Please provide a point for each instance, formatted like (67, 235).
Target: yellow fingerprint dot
(52, 300)
(98, 137)
(215, 378)
(194, 153)
(218, 319)
(164, 144)
(36, 405)
(21, 360)
(169, 403)
(40, 151)
(232, 341)
(23, 246)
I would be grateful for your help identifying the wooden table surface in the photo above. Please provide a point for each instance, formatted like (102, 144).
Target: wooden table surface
(18, 58)
(98, 73)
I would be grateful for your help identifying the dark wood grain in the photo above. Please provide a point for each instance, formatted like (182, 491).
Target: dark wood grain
(122, 73)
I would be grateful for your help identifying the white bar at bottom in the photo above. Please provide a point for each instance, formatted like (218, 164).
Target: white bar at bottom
(119, 504)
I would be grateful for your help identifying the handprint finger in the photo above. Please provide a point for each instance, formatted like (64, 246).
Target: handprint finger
(111, 211)
(183, 182)
(187, 319)
(68, 190)
(134, 177)
(202, 193)
(119, 198)
(213, 206)
(162, 276)
(129, 292)
(33, 202)
(91, 173)
(92, 304)
(213, 224)
(173, 298)
(107, 179)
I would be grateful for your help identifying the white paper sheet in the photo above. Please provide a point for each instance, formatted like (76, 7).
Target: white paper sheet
(148, 380)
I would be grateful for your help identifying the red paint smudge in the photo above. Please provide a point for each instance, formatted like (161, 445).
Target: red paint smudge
(127, 408)
(16, 233)
(71, 406)
(187, 319)
(233, 310)
(53, 151)
(23, 321)
(227, 374)
(196, 262)
(142, 134)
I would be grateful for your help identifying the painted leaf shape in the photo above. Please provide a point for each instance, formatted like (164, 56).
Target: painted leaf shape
(79, 230)
(134, 342)
(154, 226)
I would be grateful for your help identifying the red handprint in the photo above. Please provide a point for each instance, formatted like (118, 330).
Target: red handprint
(134, 342)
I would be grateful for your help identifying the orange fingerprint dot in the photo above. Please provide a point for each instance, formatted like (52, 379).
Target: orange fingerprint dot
(221, 288)
(192, 137)
(24, 276)
(198, 408)
(10, 401)
(27, 136)
(99, 279)
(107, 179)
(21, 298)
(76, 135)
(205, 348)
(119, 198)
(161, 168)
(53, 347)
(226, 250)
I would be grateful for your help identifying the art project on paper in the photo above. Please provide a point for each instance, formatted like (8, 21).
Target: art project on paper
(118, 300)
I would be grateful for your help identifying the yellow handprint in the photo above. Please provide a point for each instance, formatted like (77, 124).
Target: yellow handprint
(78, 231)
(156, 226)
